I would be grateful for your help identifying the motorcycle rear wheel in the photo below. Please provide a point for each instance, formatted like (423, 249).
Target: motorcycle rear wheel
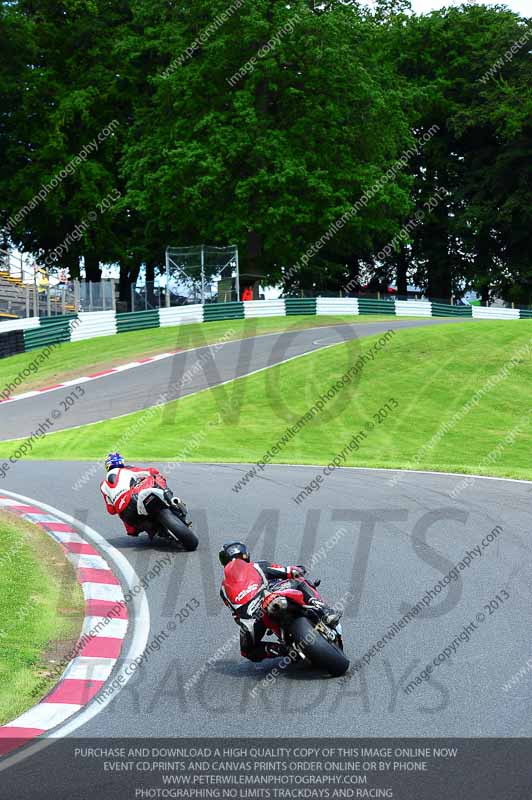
(321, 653)
(178, 529)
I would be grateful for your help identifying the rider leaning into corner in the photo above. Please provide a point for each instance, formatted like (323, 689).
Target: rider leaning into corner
(252, 631)
(121, 487)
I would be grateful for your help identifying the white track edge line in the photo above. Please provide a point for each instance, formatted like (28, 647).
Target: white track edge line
(365, 469)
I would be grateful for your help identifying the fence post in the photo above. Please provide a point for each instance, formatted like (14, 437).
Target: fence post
(35, 295)
(48, 303)
(237, 276)
(202, 274)
(132, 296)
(167, 261)
(113, 294)
(27, 300)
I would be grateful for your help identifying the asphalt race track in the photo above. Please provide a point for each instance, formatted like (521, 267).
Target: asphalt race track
(378, 540)
(395, 542)
(136, 389)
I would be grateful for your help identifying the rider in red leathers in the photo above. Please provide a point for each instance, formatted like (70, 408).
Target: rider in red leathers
(121, 487)
(252, 631)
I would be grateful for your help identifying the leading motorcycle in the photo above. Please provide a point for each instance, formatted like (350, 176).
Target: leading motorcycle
(160, 513)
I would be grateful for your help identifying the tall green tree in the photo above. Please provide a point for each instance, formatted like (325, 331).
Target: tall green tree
(266, 132)
(479, 96)
(59, 92)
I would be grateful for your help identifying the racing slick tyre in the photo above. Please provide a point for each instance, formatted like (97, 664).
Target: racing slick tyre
(321, 653)
(178, 529)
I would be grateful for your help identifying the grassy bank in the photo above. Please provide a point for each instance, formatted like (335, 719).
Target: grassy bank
(426, 376)
(41, 609)
(74, 359)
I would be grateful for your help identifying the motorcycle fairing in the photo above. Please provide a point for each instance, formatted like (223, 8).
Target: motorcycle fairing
(143, 494)
(242, 583)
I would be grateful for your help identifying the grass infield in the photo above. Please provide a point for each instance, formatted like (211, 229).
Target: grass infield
(41, 614)
(75, 359)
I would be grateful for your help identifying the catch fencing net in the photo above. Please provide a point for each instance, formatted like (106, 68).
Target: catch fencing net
(202, 274)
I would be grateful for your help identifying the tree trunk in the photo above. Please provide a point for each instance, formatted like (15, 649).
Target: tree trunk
(439, 285)
(129, 272)
(402, 269)
(150, 272)
(124, 283)
(150, 279)
(252, 272)
(352, 286)
(93, 272)
(72, 264)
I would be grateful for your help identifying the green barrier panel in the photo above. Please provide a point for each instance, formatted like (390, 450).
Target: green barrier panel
(300, 305)
(216, 311)
(369, 306)
(525, 313)
(37, 338)
(11, 343)
(443, 310)
(56, 320)
(137, 320)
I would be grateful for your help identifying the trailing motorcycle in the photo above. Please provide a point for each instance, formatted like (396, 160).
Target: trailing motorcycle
(283, 610)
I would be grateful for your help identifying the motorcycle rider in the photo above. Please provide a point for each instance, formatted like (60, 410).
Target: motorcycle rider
(121, 487)
(252, 633)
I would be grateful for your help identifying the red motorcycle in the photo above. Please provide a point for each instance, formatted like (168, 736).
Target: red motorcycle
(283, 610)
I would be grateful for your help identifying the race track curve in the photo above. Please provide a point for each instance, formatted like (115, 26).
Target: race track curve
(183, 374)
(395, 542)
(379, 540)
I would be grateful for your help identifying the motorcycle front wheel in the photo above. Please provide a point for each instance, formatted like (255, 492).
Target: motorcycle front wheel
(178, 529)
(321, 653)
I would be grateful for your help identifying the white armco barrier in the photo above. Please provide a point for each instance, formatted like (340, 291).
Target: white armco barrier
(413, 308)
(481, 312)
(20, 324)
(180, 315)
(336, 305)
(264, 308)
(91, 324)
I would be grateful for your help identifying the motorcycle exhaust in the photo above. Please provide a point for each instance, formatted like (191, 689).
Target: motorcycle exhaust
(177, 503)
(181, 509)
